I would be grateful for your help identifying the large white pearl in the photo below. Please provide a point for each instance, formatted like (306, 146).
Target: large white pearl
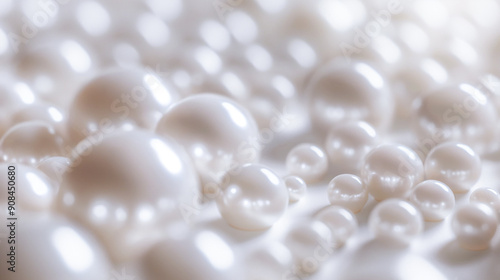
(487, 196)
(390, 171)
(297, 188)
(268, 263)
(307, 161)
(252, 197)
(342, 223)
(347, 144)
(52, 247)
(217, 132)
(434, 199)
(348, 191)
(126, 188)
(474, 225)
(454, 164)
(396, 220)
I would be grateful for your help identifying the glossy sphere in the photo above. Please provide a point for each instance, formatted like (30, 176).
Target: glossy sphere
(347, 144)
(123, 99)
(42, 112)
(434, 199)
(126, 195)
(54, 168)
(486, 196)
(349, 92)
(253, 197)
(454, 164)
(307, 161)
(216, 131)
(390, 171)
(297, 188)
(342, 223)
(396, 220)
(348, 191)
(474, 226)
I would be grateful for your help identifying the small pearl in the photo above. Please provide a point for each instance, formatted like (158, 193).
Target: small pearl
(348, 191)
(297, 188)
(391, 170)
(474, 226)
(454, 164)
(396, 220)
(307, 161)
(268, 262)
(434, 199)
(347, 144)
(486, 196)
(342, 223)
(253, 197)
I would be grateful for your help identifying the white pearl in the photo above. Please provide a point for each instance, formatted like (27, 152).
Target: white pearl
(53, 247)
(42, 112)
(396, 220)
(268, 263)
(342, 223)
(55, 168)
(307, 161)
(434, 199)
(13, 97)
(252, 197)
(122, 99)
(348, 191)
(454, 164)
(474, 226)
(126, 187)
(486, 196)
(297, 188)
(391, 170)
(349, 92)
(347, 144)
(216, 131)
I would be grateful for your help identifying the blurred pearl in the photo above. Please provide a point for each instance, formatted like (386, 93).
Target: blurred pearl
(297, 188)
(55, 168)
(396, 220)
(216, 131)
(122, 99)
(391, 170)
(348, 191)
(14, 96)
(54, 247)
(342, 223)
(42, 112)
(307, 161)
(355, 92)
(35, 191)
(456, 113)
(253, 197)
(454, 164)
(434, 199)
(126, 188)
(347, 144)
(474, 226)
(30, 142)
(268, 263)
(486, 196)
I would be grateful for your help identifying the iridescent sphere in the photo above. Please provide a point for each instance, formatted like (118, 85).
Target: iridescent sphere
(474, 226)
(307, 161)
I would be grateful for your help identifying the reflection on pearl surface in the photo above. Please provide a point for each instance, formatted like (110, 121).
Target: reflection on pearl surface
(454, 164)
(396, 220)
(13, 97)
(474, 226)
(54, 168)
(307, 161)
(342, 223)
(486, 196)
(391, 170)
(269, 262)
(42, 112)
(434, 199)
(297, 188)
(253, 197)
(133, 192)
(348, 191)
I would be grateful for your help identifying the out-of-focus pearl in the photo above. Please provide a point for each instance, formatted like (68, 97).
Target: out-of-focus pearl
(13, 97)
(30, 142)
(56, 248)
(54, 168)
(253, 197)
(391, 170)
(307, 161)
(42, 112)
(474, 225)
(268, 263)
(348, 191)
(126, 188)
(355, 92)
(342, 223)
(347, 144)
(36, 192)
(396, 220)
(454, 164)
(486, 196)
(434, 199)
(297, 188)
(217, 133)
(122, 99)
(456, 113)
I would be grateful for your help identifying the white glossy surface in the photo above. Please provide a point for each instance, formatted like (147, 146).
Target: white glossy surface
(297, 188)
(474, 226)
(55, 168)
(487, 196)
(341, 222)
(307, 161)
(348, 191)
(268, 263)
(434, 199)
